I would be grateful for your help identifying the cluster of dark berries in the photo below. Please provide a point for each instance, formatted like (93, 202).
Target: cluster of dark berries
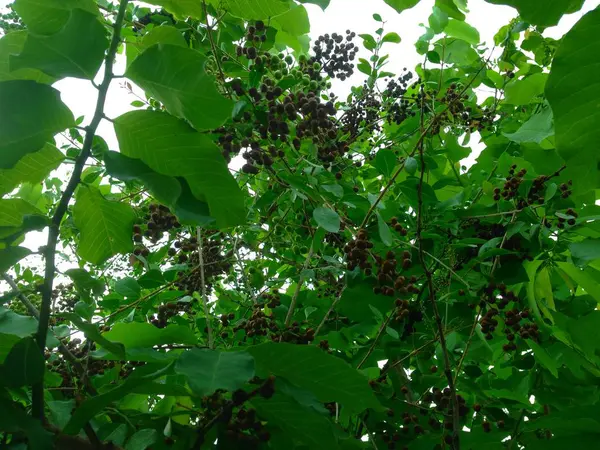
(159, 221)
(56, 364)
(387, 275)
(363, 113)
(442, 400)
(255, 34)
(397, 103)
(259, 324)
(511, 186)
(64, 297)
(226, 318)
(487, 426)
(330, 290)
(335, 54)
(398, 226)
(472, 119)
(166, 312)
(271, 299)
(357, 253)
(215, 262)
(565, 189)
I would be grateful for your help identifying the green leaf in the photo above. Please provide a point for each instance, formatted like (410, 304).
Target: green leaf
(384, 231)
(93, 333)
(295, 21)
(585, 251)
(542, 12)
(462, 30)
(31, 168)
(385, 161)
(544, 358)
(13, 211)
(304, 424)
(335, 189)
(208, 370)
(164, 34)
(170, 147)
(391, 37)
(253, 9)
(14, 419)
(12, 44)
(322, 3)
(327, 219)
(582, 278)
(411, 165)
(536, 129)
(128, 287)
(24, 365)
(523, 92)
(104, 226)
(49, 16)
(11, 255)
(77, 50)
(143, 334)
(90, 407)
(401, 5)
(450, 8)
(308, 367)
(164, 188)
(176, 77)
(85, 282)
(142, 439)
(31, 114)
(573, 90)
(438, 20)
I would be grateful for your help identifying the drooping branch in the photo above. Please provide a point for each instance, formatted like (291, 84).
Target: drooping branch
(203, 283)
(54, 229)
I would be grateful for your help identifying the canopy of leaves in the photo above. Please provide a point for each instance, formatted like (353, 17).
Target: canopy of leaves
(257, 262)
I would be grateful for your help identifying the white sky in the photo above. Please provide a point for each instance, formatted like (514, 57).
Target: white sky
(355, 15)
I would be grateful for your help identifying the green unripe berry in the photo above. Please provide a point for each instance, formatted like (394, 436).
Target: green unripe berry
(302, 58)
(289, 59)
(278, 75)
(317, 66)
(314, 85)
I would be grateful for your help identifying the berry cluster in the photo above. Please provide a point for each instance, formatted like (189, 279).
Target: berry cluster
(64, 297)
(259, 324)
(357, 253)
(398, 226)
(336, 53)
(271, 299)
(166, 312)
(159, 221)
(387, 275)
(363, 113)
(399, 108)
(472, 119)
(255, 34)
(215, 262)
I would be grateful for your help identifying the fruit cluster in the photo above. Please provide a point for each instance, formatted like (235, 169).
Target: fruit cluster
(64, 297)
(159, 220)
(388, 278)
(357, 253)
(336, 54)
(363, 113)
(169, 310)
(255, 34)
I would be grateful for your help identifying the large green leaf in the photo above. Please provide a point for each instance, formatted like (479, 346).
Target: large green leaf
(31, 115)
(462, 30)
(31, 168)
(536, 129)
(12, 44)
(304, 424)
(585, 251)
(573, 90)
(523, 92)
(582, 278)
(295, 21)
(327, 219)
(165, 34)
(142, 439)
(253, 9)
(401, 5)
(13, 327)
(92, 332)
(176, 77)
(13, 210)
(164, 188)
(322, 3)
(143, 334)
(77, 50)
(542, 12)
(208, 370)
(49, 16)
(14, 419)
(308, 367)
(24, 364)
(11, 255)
(170, 147)
(105, 226)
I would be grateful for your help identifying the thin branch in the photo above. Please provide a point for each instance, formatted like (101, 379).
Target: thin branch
(203, 282)
(331, 309)
(37, 409)
(290, 313)
(214, 47)
(376, 340)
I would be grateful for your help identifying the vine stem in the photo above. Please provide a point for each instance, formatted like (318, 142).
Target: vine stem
(37, 407)
(290, 313)
(203, 282)
(428, 274)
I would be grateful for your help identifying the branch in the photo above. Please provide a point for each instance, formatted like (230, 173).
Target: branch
(290, 313)
(203, 282)
(214, 47)
(376, 340)
(37, 409)
(331, 308)
(428, 274)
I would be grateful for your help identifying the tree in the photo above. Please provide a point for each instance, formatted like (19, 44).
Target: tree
(261, 264)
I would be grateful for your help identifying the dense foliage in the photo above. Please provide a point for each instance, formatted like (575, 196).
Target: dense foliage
(263, 264)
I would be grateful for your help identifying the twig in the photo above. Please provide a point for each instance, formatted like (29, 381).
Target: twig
(376, 340)
(214, 48)
(203, 282)
(331, 308)
(290, 313)
(447, 368)
(37, 407)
